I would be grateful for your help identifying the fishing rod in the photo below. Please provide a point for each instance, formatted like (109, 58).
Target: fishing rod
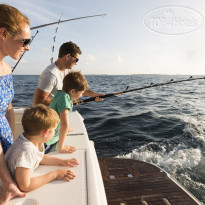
(57, 22)
(54, 39)
(135, 89)
(24, 51)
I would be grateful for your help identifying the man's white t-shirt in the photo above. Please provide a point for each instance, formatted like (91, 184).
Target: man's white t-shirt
(51, 80)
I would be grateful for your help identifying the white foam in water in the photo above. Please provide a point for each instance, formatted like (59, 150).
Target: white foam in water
(180, 156)
(171, 161)
(197, 186)
(187, 179)
(194, 125)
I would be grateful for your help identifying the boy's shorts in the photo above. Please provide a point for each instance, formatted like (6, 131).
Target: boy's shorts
(51, 148)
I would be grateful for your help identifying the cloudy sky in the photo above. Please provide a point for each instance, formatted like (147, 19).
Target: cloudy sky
(135, 37)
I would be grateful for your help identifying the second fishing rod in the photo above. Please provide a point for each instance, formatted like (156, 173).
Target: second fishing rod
(152, 85)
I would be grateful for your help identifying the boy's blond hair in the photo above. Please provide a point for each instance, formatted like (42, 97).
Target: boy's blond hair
(37, 118)
(74, 80)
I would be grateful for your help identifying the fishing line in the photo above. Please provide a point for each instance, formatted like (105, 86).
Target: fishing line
(54, 38)
(135, 89)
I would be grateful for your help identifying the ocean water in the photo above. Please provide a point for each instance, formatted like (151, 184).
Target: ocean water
(162, 125)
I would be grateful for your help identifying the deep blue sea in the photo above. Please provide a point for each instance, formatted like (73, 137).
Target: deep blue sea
(162, 125)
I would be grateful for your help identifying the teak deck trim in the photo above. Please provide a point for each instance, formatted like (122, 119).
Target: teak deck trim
(133, 182)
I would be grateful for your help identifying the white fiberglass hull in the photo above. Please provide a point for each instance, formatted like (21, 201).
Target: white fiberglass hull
(86, 188)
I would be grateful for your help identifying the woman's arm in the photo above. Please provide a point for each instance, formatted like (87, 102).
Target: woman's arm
(9, 189)
(11, 117)
(4, 173)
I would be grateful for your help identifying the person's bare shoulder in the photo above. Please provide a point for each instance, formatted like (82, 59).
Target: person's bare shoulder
(7, 68)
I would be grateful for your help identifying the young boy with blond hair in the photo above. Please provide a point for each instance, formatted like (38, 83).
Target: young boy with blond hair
(39, 124)
(74, 84)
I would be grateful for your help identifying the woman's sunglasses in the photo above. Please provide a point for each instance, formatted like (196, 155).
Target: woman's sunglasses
(25, 42)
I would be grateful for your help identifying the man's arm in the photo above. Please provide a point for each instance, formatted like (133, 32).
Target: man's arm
(41, 97)
(11, 117)
(91, 93)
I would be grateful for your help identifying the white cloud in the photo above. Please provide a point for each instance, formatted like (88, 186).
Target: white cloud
(38, 11)
(119, 58)
(23, 61)
(89, 58)
(45, 49)
(115, 59)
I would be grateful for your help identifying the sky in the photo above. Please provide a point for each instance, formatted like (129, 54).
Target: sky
(135, 36)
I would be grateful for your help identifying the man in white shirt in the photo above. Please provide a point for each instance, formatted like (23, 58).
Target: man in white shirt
(51, 78)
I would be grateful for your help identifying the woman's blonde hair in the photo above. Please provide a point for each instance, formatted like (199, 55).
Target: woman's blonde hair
(37, 118)
(11, 19)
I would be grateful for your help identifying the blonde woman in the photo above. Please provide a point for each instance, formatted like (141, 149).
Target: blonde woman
(14, 40)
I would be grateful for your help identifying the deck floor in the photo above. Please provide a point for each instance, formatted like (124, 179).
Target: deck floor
(133, 182)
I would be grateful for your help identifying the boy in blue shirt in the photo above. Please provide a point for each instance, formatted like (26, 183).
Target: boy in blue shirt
(74, 84)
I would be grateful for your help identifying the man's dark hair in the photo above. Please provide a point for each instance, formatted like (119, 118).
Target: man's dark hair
(69, 47)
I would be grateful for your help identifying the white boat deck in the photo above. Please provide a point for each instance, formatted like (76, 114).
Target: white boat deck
(86, 188)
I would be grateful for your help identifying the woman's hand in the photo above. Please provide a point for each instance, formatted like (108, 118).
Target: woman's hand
(9, 191)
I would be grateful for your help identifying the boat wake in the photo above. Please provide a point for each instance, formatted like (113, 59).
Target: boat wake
(181, 156)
